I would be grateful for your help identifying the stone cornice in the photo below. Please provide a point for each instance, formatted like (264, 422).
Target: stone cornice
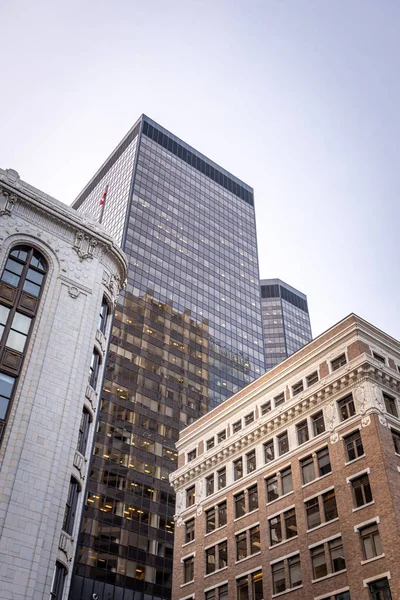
(362, 369)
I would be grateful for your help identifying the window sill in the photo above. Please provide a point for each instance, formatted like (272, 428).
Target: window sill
(187, 543)
(216, 571)
(351, 462)
(293, 589)
(328, 576)
(365, 562)
(239, 562)
(322, 525)
(280, 498)
(187, 583)
(214, 530)
(363, 506)
(316, 479)
(246, 515)
(283, 542)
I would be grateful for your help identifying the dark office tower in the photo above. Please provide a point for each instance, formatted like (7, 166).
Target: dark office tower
(187, 335)
(286, 320)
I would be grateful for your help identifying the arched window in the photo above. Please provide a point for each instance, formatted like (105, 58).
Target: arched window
(21, 285)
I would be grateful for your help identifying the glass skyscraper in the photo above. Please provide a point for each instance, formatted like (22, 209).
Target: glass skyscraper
(286, 320)
(187, 335)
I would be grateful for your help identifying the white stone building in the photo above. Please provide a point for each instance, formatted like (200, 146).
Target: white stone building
(60, 275)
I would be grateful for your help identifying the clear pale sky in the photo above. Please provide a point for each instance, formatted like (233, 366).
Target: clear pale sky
(299, 98)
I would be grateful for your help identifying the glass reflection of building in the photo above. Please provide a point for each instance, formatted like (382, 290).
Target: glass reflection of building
(286, 320)
(187, 335)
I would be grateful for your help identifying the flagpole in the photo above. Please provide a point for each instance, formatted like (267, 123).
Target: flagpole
(103, 203)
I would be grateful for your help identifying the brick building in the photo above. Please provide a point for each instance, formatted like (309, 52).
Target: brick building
(291, 487)
(60, 275)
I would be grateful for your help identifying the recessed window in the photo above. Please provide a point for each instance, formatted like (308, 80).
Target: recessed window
(221, 436)
(353, 446)
(280, 399)
(238, 469)
(240, 505)
(237, 426)
(336, 555)
(84, 428)
(318, 424)
(70, 508)
(318, 561)
(380, 589)
(216, 557)
(290, 523)
(221, 478)
(313, 513)
(302, 432)
(103, 316)
(283, 526)
(329, 504)
(94, 369)
(265, 408)
(285, 579)
(272, 488)
(361, 490)
(379, 357)
(251, 461)
(6, 390)
(323, 461)
(283, 443)
(189, 531)
(346, 407)
(297, 388)
(338, 362)
(216, 517)
(269, 451)
(278, 577)
(249, 418)
(370, 541)
(190, 496)
(286, 481)
(210, 485)
(241, 546)
(312, 378)
(396, 441)
(307, 469)
(188, 569)
(252, 494)
(390, 405)
(210, 443)
(250, 584)
(57, 586)
(191, 455)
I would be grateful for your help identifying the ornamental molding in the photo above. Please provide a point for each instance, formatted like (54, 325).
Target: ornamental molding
(112, 282)
(365, 380)
(84, 245)
(7, 202)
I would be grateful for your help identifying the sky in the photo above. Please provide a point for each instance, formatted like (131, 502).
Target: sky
(298, 98)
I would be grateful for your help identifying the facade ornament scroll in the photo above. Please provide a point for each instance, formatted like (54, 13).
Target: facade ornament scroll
(361, 396)
(84, 245)
(377, 399)
(331, 419)
(114, 285)
(7, 202)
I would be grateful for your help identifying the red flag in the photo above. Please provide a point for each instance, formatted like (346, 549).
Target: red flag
(103, 198)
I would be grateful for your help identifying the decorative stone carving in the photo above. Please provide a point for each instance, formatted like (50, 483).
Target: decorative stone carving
(114, 285)
(84, 245)
(199, 510)
(7, 202)
(365, 420)
(334, 437)
(73, 291)
(179, 503)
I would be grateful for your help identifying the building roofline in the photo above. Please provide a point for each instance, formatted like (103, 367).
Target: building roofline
(277, 281)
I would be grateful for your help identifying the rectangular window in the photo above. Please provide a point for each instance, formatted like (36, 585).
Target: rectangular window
(265, 408)
(70, 508)
(269, 451)
(210, 443)
(379, 357)
(338, 362)
(278, 577)
(221, 436)
(380, 590)
(240, 505)
(361, 490)
(280, 399)
(249, 418)
(237, 426)
(242, 588)
(346, 407)
(286, 480)
(210, 520)
(336, 554)
(222, 555)
(312, 378)
(313, 513)
(370, 541)
(251, 461)
(253, 498)
(223, 592)
(295, 577)
(210, 484)
(241, 545)
(302, 432)
(324, 462)
(329, 504)
(353, 445)
(190, 496)
(318, 562)
(290, 523)
(210, 595)
(318, 423)
(390, 405)
(297, 388)
(275, 530)
(221, 478)
(272, 488)
(238, 469)
(307, 469)
(221, 510)
(191, 455)
(283, 443)
(255, 544)
(210, 560)
(257, 585)
(188, 569)
(396, 441)
(189, 531)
